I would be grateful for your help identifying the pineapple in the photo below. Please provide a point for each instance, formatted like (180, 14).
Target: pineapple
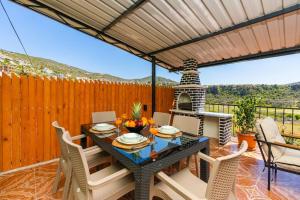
(136, 111)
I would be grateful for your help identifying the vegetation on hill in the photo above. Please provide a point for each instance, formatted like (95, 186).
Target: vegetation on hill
(271, 95)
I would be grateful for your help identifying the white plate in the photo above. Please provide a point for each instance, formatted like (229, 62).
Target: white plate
(168, 130)
(131, 138)
(103, 127)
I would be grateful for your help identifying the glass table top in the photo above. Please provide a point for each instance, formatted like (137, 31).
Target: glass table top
(157, 149)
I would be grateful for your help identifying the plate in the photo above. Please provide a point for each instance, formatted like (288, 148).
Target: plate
(131, 138)
(103, 127)
(168, 130)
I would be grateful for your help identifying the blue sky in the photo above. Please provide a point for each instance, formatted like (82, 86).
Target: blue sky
(46, 38)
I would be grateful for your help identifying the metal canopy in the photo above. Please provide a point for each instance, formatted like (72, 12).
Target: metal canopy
(211, 31)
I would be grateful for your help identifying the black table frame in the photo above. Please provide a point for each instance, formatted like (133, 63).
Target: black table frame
(144, 173)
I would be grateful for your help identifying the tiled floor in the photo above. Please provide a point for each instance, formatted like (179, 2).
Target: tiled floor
(251, 180)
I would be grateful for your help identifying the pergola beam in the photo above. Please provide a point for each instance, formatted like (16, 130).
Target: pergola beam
(136, 5)
(257, 56)
(231, 28)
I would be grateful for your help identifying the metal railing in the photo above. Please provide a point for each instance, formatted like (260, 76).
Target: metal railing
(288, 119)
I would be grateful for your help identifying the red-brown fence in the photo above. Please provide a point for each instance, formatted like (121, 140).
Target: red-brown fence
(29, 104)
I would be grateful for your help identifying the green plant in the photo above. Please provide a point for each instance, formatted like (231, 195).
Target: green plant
(136, 111)
(245, 114)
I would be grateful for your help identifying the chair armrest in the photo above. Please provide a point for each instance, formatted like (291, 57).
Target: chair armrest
(78, 137)
(290, 136)
(176, 187)
(92, 151)
(290, 146)
(206, 157)
(93, 185)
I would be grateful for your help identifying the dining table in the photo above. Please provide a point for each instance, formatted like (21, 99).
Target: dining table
(145, 162)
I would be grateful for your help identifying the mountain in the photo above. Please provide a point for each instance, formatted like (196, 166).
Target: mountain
(19, 63)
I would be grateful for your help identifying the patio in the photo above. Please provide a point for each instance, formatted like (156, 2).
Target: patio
(176, 35)
(36, 183)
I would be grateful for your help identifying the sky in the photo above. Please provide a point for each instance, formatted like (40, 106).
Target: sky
(47, 38)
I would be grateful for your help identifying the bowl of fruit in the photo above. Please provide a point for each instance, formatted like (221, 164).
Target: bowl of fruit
(136, 123)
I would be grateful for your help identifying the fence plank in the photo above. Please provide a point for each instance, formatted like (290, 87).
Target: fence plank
(24, 121)
(47, 120)
(1, 130)
(39, 119)
(32, 118)
(16, 121)
(7, 122)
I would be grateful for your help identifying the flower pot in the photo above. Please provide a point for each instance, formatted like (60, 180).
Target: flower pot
(249, 138)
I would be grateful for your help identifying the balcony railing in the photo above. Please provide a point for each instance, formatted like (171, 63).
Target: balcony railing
(288, 119)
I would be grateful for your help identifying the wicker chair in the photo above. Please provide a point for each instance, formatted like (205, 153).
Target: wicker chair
(95, 157)
(161, 118)
(107, 184)
(106, 116)
(184, 185)
(274, 150)
(188, 125)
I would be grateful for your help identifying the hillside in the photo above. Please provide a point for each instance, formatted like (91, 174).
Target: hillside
(271, 95)
(18, 63)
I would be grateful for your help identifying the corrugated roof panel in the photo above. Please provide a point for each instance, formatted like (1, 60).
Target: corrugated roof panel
(290, 24)
(253, 8)
(287, 3)
(154, 23)
(219, 12)
(202, 52)
(151, 29)
(133, 34)
(261, 33)
(174, 16)
(203, 14)
(94, 7)
(271, 6)
(208, 49)
(238, 42)
(218, 48)
(144, 32)
(275, 27)
(189, 16)
(159, 16)
(115, 5)
(298, 28)
(249, 39)
(125, 3)
(223, 39)
(235, 10)
(74, 13)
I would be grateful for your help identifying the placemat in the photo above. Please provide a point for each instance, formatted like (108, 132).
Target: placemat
(168, 135)
(130, 147)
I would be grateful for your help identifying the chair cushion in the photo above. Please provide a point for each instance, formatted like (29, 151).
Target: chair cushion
(290, 160)
(271, 131)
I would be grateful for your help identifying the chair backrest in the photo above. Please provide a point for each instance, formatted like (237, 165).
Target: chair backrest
(59, 133)
(106, 116)
(187, 124)
(268, 131)
(161, 118)
(80, 170)
(223, 174)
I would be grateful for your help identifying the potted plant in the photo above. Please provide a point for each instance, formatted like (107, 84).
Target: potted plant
(137, 122)
(245, 120)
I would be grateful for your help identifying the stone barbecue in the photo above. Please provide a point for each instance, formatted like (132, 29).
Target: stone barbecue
(189, 100)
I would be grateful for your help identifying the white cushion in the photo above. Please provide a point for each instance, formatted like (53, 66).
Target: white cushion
(271, 131)
(290, 160)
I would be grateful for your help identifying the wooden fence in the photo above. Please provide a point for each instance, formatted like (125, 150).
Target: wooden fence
(29, 104)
